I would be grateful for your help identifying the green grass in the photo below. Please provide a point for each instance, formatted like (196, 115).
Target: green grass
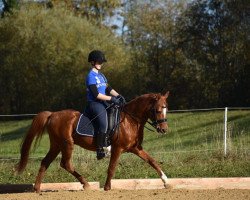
(193, 147)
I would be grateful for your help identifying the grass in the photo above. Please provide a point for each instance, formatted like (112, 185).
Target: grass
(193, 147)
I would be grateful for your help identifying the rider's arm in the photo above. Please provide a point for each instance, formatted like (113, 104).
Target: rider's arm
(103, 97)
(98, 95)
(111, 91)
(114, 93)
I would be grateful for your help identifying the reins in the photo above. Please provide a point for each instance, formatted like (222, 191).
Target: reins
(153, 124)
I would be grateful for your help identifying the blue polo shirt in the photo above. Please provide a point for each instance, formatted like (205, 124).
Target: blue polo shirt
(97, 79)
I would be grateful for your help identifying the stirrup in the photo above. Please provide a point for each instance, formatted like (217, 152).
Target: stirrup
(103, 153)
(100, 155)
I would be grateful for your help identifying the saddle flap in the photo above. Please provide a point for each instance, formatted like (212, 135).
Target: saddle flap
(85, 126)
(113, 118)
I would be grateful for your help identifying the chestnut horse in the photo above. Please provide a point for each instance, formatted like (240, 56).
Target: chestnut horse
(61, 127)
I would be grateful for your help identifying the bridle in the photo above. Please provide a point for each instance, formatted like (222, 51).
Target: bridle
(156, 121)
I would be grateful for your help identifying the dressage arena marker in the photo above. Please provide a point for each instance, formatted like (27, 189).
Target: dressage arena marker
(138, 184)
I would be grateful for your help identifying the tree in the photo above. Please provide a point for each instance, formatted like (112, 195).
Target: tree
(44, 59)
(156, 58)
(198, 50)
(214, 35)
(94, 10)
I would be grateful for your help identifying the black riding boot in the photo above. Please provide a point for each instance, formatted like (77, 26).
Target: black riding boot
(100, 143)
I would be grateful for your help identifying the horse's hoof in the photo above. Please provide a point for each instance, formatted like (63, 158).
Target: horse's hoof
(86, 186)
(38, 191)
(107, 188)
(168, 186)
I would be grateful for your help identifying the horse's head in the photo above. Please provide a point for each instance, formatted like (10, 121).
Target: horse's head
(158, 114)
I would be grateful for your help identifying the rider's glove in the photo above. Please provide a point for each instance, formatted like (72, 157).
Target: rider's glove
(115, 100)
(121, 99)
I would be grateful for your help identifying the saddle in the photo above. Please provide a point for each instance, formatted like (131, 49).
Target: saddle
(86, 127)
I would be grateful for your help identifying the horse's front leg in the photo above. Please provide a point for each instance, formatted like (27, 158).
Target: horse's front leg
(115, 154)
(147, 158)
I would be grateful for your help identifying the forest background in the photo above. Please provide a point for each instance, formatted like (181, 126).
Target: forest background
(198, 50)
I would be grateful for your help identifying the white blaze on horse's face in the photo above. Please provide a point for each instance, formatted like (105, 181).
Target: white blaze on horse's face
(164, 111)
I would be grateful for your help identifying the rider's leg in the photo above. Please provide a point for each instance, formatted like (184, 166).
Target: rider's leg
(101, 143)
(101, 122)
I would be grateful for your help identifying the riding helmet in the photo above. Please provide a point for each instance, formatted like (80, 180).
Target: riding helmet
(96, 56)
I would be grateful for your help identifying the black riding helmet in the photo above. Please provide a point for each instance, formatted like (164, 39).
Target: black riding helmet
(97, 56)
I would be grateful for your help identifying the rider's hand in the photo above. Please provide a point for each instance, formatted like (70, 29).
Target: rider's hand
(115, 100)
(121, 99)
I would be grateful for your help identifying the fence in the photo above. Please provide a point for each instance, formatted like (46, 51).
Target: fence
(190, 130)
(226, 135)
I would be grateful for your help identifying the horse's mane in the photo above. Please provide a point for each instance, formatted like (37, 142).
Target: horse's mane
(142, 98)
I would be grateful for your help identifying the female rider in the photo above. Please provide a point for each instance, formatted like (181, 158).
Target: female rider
(98, 92)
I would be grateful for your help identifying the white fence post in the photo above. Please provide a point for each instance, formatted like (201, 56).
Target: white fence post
(225, 132)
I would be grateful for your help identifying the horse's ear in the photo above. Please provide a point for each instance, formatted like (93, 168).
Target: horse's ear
(166, 94)
(156, 96)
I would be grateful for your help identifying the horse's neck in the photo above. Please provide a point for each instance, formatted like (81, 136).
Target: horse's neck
(139, 108)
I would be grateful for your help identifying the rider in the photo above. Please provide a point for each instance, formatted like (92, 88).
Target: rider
(98, 92)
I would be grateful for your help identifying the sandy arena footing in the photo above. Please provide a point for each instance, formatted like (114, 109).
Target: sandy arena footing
(138, 184)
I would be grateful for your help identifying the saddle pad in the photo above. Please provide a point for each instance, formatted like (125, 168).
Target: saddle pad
(85, 127)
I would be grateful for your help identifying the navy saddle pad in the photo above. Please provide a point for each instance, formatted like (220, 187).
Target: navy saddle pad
(85, 126)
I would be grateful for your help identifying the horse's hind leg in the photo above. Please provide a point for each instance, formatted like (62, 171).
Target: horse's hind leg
(51, 155)
(67, 165)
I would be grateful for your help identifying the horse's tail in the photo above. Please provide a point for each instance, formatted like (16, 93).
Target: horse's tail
(36, 131)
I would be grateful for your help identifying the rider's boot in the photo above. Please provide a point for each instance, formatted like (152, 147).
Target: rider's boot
(100, 143)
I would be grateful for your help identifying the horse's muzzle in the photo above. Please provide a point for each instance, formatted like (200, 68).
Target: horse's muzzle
(161, 130)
